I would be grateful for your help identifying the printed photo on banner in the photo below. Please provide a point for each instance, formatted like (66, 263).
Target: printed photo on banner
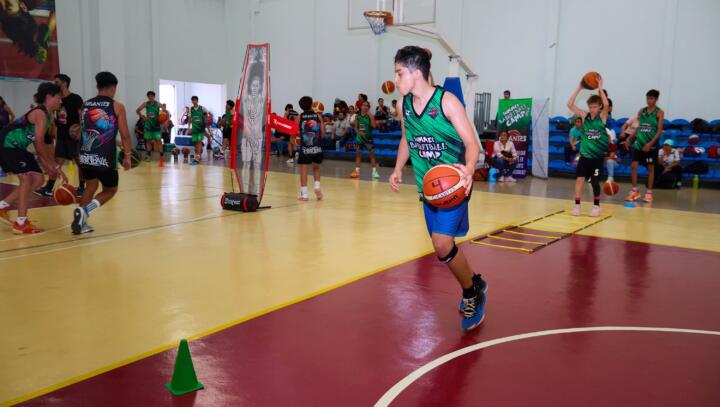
(28, 39)
(515, 117)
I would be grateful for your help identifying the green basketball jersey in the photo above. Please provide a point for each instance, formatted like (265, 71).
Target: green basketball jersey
(365, 126)
(431, 138)
(594, 142)
(647, 127)
(152, 110)
(197, 119)
(228, 120)
(20, 134)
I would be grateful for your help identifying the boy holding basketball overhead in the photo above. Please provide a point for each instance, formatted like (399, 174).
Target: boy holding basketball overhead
(594, 144)
(102, 118)
(644, 144)
(436, 131)
(312, 132)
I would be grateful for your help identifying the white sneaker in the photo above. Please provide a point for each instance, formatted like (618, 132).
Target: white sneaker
(595, 211)
(501, 179)
(509, 179)
(576, 211)
(290, 161)
(303, 198)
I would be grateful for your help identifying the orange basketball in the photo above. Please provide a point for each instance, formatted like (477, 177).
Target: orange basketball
(611, 188)
(162, 117)
(318, 107)
(590, 80)
(388, 87)
(65, 194)
(443, 186)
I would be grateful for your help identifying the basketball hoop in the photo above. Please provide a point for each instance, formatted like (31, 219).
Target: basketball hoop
(378, 20)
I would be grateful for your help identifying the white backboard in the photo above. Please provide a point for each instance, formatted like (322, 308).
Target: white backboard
(405, 12)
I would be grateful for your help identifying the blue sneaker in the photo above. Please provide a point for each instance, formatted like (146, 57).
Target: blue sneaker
(80, 191)
(474, 310)
(483, 287)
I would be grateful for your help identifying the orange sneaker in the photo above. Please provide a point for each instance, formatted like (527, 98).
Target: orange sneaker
(634, 196)
(648, 197)
(5, 216)
(354, 174)
(26, 228)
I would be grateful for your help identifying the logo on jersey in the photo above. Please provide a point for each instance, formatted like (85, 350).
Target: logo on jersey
(427, 147)
(434, 112)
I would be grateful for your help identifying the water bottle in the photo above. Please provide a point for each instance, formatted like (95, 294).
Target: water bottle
(696, 181)
(492, 177)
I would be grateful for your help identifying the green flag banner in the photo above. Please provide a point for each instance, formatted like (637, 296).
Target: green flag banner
(515, 117)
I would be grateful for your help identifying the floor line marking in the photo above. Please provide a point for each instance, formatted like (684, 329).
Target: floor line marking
(403, 384)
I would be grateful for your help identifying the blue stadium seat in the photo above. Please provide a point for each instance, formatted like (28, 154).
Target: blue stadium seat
(559, 119)
(619, 122)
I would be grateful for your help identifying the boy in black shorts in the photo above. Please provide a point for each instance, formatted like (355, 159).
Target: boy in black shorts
(102, 117)
(225, 123)
(644, 144)
(310, 146)
(594, 145)
(66, 145)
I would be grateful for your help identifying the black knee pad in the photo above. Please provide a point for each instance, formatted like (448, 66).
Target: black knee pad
(453, 252)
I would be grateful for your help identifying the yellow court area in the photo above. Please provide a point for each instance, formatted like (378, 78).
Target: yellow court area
(165, 262)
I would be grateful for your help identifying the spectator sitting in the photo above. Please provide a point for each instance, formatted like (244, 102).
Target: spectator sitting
(505, 158)
(394, 113)
(669, 163)
(573, 146)
(381, 115)
(341, 129)
(506, 94)
(629, 128)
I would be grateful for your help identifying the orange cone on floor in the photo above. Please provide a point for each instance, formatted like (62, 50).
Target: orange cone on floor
(184, 379)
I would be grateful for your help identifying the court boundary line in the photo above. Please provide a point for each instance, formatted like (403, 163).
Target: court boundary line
(391, 394)
(200, 335)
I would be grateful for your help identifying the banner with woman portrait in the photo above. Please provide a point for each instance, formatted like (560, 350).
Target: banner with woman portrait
(28, 39)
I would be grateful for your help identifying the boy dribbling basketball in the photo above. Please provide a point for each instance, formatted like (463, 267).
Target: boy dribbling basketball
(440, 134)
(103, 117)
(594, 144)
(312, 132)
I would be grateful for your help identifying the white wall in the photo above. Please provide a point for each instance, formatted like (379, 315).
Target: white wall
(537, 48)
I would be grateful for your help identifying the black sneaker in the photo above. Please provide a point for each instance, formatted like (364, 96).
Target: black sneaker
(46, 192)
(473, 309)
(79, 192)
(480, 282)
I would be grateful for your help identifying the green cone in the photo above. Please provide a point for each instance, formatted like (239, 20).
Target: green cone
(184, 379)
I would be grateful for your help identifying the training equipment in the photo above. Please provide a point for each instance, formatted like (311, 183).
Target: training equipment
(239, 202)
(250, 160)
(318, 107)
(175, 151)
(283, 125)
(443, 186)
(611, 188)
(354, 174)
(185, 151)
(184, 380)
(590, 80)
(163, 117)
(388, 87)
(65, 194)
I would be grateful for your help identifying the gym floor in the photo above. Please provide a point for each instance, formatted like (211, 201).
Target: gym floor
(339, 302)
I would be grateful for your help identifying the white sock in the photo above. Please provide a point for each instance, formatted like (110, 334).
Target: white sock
(21, 220)
(317, 184)
(357, 169)
(4, 204)
(303, 191)
(94, 204)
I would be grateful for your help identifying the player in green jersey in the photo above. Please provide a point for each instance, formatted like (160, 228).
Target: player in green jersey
(436, 131)
(153, 134)
(594, 144)
(644, 144)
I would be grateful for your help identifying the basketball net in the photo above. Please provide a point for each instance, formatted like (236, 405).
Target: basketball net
(378, 20)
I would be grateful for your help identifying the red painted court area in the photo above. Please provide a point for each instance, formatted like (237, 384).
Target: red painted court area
(349, 346)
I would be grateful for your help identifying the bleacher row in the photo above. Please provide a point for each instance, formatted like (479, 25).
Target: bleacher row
(678, 130)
